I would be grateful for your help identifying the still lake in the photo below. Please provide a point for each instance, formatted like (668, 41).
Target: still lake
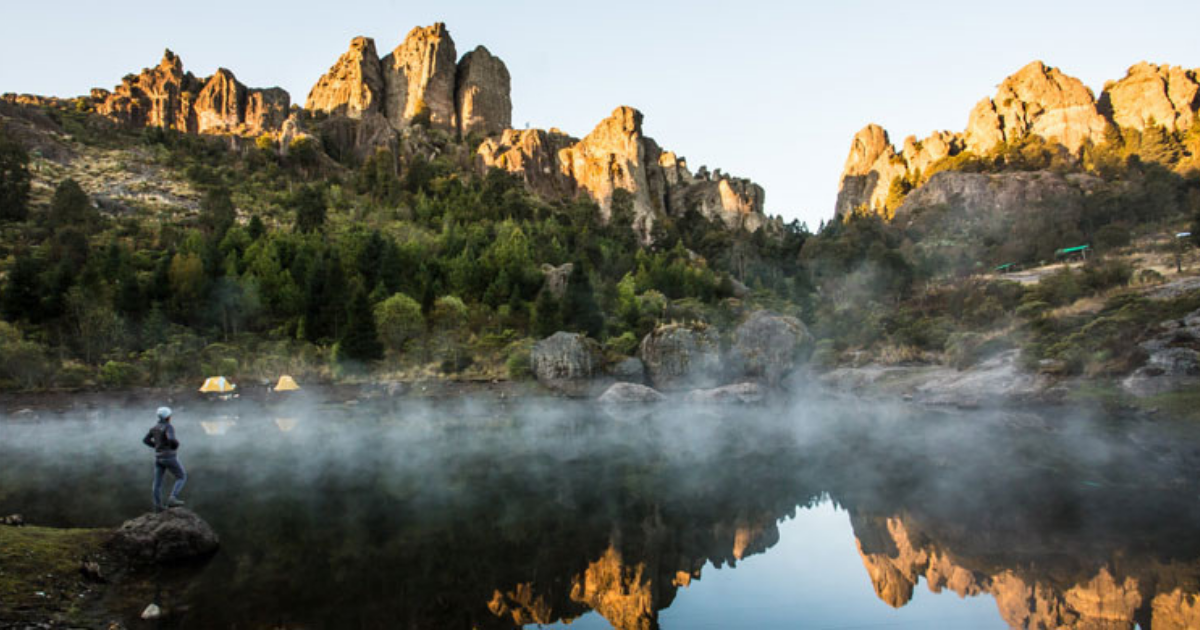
(821, 513)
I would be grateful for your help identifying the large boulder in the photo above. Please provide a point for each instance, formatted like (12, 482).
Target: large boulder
(766, 345)
(567, 362)
(169, 536)
(630, 370)
(680, 356)
(630, 393)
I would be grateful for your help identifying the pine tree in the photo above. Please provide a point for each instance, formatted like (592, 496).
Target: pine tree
(580, 312)
(14, 180)
(546, 318)
(360, 339)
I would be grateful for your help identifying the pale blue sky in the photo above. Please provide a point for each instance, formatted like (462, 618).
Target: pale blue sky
(773, 91)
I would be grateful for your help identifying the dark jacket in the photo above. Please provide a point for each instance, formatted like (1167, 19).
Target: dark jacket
(162, 438)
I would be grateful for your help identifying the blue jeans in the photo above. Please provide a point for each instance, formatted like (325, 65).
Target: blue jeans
(161, 466)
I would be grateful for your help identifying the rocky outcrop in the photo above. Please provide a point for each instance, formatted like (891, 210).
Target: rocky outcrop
(555, 278)
(873, 164)
(170, 536)
(421, 80)
(566, 361)
(166, 96)
(679, 356)
(617, 156)
(418, 77)
(766, 345)
(1037, 100)
(354, 84)
(482, 90)
(1150, 94)
(1173, 359)
(997, 195)
(630, 393)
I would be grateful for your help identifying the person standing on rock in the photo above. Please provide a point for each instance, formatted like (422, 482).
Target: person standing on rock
(166, 458)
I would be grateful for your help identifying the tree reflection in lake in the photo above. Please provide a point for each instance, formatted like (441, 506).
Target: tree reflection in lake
(479, 515)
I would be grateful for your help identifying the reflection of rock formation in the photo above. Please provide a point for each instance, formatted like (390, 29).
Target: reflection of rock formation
(1044, 595)
(629, 588)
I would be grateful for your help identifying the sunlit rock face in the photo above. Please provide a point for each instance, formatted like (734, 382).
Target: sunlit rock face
(419, 78)
(354, 84)
(1037, 100)
(420, 81)
(617, 155)
(166, 96)
(873, 163)
(1150, 94)
(897, 557)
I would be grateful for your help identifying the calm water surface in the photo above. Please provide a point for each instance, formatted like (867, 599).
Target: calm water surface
(488, 514)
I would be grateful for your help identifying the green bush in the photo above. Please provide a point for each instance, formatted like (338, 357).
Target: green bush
(118, 374)
(625, 345)
(518, 364)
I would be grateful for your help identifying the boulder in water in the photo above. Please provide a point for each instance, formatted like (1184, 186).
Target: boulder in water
(682, 356)
(630, 393)
(738, 393)
(765, 347)
(566, 362)
(169, 536)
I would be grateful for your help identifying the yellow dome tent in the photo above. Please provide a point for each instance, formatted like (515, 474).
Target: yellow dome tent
(217, 384)
(286, 384)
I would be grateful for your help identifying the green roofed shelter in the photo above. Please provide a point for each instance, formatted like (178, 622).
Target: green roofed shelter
(1071, 250)
(1004, 267)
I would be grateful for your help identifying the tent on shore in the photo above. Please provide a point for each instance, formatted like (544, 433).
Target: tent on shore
(286, 384)
(217, 385)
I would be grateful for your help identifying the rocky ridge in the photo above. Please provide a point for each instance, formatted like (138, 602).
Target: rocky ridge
(166, 96)
(617, 155)
(1037, 100)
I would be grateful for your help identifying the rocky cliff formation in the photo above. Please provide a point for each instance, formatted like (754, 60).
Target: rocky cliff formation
(617, 155)
(1037, 100)
(421, 79)
(166, 96)
(1163, 95)
(354, 84)
(481, 94)
(896, 555)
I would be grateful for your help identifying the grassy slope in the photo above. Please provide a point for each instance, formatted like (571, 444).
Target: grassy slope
(40, 571)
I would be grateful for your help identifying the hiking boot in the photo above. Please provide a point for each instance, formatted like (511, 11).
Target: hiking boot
(173, 502)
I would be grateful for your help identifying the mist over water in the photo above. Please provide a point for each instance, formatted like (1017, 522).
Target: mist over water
(496, 514)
